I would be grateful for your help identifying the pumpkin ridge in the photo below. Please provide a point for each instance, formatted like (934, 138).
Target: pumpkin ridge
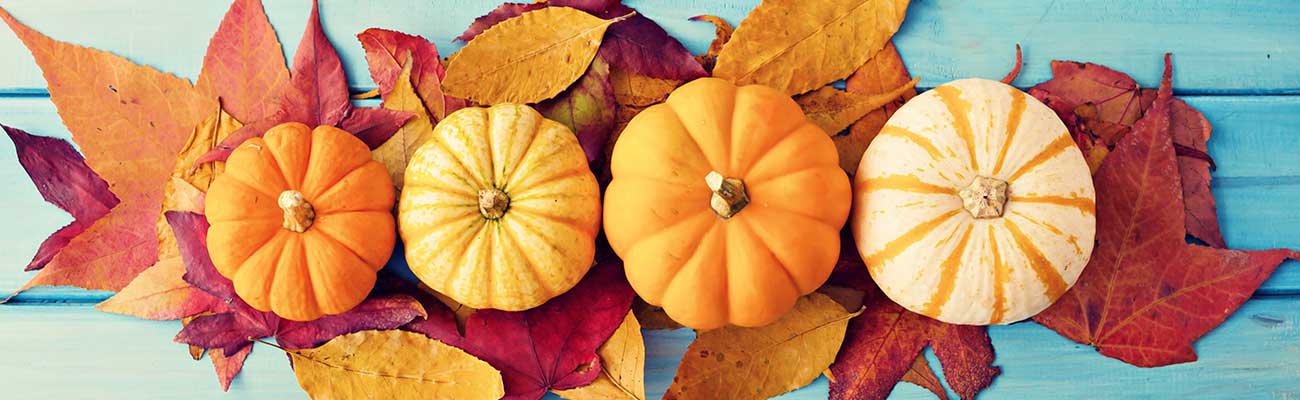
(905, 183)
(681, 128)
(239, 265)
(469, 176)
(742, 165)
(525, 224)
(781, 264)
(692, 134)
(570, 222)
(509, 180)
(277, 240)
(439, 187)
(901, 242)
(924, 142)
(947, 278)
(308, 280)
(531, 265)
(1083, 204)
(1061, 144)
(475, 232)
(560, 176)
(265, 151)
(1071, 239)
(1014, 117)
(448, 221)
(1000, 278)
(683, 218)
(343, 245)
(256, 189)
(959, 108)
(281, 162)
(1051, 279)
(327, 193)
(815, 218)
(748, 169)
(441, 150)
(694, 249)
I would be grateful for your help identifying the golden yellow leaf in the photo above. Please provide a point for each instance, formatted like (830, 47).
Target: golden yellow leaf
(638, 90)
(183, 192)
(796, 46)
(396, 152)
(834, 110)
(526, 59)
(722, 33)
(757, 363)
(393, 365)
(622, 374)
(370, 94)
(884, 71)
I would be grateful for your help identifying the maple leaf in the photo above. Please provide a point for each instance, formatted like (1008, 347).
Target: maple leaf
(385, 54)
(129, 121)
(244, 64)
(587, 108)
(552, 346)
(317, 95)
(63, 179)
(1100, 105)
(232, 331)
(884, 71)
(636, 44)
(1146, 295)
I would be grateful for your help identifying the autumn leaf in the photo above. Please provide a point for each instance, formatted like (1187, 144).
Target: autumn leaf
(63, 179)
(587, 109)
(317, 95)
(834, 110)
(882, 72)
(228, 367)
(129, 121)
(722, 33)
(386, 55)
(1146, 295)
(638, 90)
(920, 374)
(825, 43)
(392, 365)
(396, 153)
(159, 293)
(244, 64)
(526, 59)
(501, 13)
(736, 362)
(653, 317)
(1015, 70)
(552, 346)
(622, 372)
(1100, 106)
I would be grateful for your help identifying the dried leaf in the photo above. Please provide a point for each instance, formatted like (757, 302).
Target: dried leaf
(622, 373)
(159, 293)
(587, 109)
(921, 375)
(460, 312)
(244, 64)
(386, 55)
(722, 34)
(396, 153)
(554, 345)
(639, 90)
(742, 363)
(228, 368)
(1100, 106)
(501, 13)
(1146, 295)
(63, 179)
(653, 317)
(129, 121)
(824, 44)
(848, 297)
(393, 365)
(369, 94)
(526, 59)
(834, 110)
(882, 72)
(1015, 71)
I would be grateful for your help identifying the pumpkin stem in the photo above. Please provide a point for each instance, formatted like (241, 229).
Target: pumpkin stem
(298, 213)
(729, 195)
(493, 203)
(985, 197)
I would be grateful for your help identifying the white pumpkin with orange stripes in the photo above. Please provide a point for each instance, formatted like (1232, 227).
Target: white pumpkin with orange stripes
(974, 206)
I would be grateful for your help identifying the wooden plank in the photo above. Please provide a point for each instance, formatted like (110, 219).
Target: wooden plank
(1221, 47)
(1254, 141)
(1252, 355)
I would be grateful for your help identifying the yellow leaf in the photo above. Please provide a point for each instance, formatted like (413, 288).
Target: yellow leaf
(834, 110)
(722, 33)
(758, 363)
(526, 59)
(393, 365)
(184, 191)
(396, 152)
(622, 374)
(796, 46)
(884, 71)
(638, 90)
(460, 311)
(370, 94)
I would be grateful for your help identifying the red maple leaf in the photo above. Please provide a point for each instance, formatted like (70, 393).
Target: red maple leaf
(317, 95)
(1147, 295)
(1100, 106)
(552, 346)
(244, 63)
(232, 331)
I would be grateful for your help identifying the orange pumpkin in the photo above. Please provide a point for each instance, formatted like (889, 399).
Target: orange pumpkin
(301, 221)
(726, 204)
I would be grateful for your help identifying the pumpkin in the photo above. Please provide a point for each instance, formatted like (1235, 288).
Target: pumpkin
(973, 205)
(301, 221)
(726, 204)
(499, 209)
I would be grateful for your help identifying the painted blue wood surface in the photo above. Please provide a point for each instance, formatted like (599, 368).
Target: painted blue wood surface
(1239, 61)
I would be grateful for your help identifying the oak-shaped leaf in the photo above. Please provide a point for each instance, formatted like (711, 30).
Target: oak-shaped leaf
(1146, 295)
(552, 346)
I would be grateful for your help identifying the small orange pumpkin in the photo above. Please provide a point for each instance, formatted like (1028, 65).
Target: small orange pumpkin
(726, 204)
(301, 221)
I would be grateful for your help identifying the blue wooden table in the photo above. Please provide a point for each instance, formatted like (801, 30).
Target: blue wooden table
(1238, 62)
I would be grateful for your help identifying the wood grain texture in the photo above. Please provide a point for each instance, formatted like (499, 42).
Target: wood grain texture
(56, 346)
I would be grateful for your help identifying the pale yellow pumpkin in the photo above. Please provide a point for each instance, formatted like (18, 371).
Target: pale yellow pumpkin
(499, 209)
(974, 206)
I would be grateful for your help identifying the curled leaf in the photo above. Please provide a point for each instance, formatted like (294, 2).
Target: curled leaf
(722, 33)
(393, 365)
(834, 110)
(1015, 71)
(622, 373)
(526, 59)
(396, 153)
(824, 44)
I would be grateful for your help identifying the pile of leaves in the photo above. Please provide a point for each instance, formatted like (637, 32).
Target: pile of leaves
(151, 144)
